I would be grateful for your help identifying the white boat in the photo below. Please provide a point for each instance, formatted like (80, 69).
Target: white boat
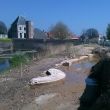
(51, 76)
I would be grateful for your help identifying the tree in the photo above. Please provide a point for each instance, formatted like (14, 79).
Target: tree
(108, 31)
(3, 28)
(59, 31)
(92, 33)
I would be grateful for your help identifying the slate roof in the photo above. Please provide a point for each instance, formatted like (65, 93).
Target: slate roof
(20, 20)
(38, 34)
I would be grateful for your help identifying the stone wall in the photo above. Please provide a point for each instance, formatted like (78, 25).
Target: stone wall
(6, 47)
(44, 47)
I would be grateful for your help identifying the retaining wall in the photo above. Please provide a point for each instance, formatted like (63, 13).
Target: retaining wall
(44, 47)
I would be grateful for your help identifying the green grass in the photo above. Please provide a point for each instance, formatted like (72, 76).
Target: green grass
(17, 60)
(5, 40)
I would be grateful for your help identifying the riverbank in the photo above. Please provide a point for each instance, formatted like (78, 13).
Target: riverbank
(16, 94)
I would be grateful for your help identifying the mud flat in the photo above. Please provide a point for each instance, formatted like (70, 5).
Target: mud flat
(16, 94)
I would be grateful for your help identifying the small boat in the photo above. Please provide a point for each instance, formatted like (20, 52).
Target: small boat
(52, 75)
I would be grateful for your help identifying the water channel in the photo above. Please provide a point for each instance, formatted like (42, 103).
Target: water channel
(4, 64)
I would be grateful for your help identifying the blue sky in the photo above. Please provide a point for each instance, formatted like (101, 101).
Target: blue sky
(78, 15)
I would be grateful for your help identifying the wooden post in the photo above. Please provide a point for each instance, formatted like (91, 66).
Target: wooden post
(33, 55)
(21, 70)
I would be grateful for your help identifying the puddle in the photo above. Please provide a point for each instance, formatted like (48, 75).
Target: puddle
(84, 64)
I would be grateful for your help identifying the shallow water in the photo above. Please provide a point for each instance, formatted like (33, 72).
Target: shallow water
(78, 71)
(4, 65)
(75, 74)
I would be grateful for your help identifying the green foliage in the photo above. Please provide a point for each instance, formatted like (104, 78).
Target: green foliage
(59, 31)
(5, 40)
(1, 59)
(108, 31)
(17, 60)
(92, 33)
(3, 28)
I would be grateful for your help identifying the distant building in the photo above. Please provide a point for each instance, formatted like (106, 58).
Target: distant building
(3, 30)
(21, 29)
(101, 39)
(39, 34)
(73, 36)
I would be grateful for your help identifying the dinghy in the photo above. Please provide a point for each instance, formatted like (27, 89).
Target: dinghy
(51, 76)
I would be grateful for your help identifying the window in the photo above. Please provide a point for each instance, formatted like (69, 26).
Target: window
(20, 28)
(20, 35)
(24, 35)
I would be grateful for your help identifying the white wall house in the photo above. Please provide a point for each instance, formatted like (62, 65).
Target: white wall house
(21, 31)
(3, 36)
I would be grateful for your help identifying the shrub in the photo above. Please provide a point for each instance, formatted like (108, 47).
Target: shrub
(17, 60)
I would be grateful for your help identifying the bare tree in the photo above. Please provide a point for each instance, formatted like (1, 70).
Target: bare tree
(108, 31)
(59, 31)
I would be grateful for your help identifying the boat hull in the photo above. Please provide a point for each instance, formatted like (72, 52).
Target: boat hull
(56, 75)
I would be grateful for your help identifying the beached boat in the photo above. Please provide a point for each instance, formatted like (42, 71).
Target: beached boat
(51, 76)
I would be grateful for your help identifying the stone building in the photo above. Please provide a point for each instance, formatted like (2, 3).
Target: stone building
(21, 29)
(39, 34)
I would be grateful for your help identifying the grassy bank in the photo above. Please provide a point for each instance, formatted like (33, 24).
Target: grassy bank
(17, 60)
(5, 40)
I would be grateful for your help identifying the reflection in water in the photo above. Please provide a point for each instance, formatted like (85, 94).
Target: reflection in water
(84, 64)
(77, 72)
(4, 64)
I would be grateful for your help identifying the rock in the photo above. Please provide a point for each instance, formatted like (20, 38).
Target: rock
(66, 64)
(102, 52)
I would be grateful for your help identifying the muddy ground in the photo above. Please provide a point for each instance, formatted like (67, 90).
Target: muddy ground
(16, 94)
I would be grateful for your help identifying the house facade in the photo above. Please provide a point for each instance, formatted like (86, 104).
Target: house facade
(3, 36)
(21, 29)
